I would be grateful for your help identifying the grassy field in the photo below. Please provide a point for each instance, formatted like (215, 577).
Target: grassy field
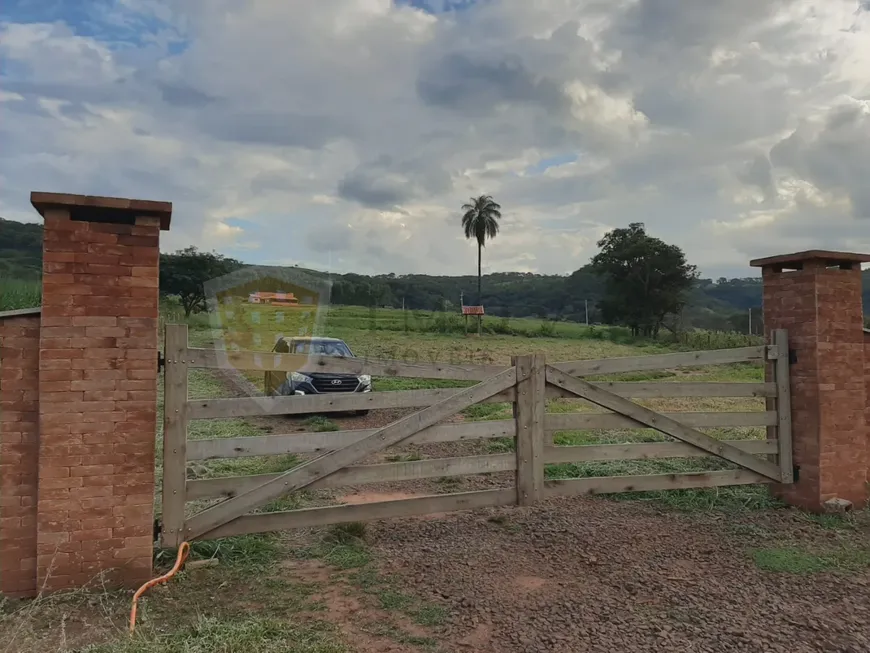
(16, 294)
(252, 603)
(256, 328)
(340, 320)
(261, 597)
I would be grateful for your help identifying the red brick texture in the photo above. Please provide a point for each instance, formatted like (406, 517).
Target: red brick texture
(97, 401)
(19, 443)
(821, 309)
(867, 401)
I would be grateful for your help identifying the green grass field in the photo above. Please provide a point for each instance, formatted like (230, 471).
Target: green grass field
(257, 327)
(372, 335)
(16, 294)
(287, 618)
(347, 321)
(253, 600)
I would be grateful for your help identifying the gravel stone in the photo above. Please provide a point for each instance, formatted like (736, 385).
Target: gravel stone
(576, 575)
(581, 575)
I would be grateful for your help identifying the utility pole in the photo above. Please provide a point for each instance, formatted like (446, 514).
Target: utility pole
(750, 321)
(586, 304)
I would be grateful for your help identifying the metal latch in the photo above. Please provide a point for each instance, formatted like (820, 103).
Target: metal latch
(161, 362)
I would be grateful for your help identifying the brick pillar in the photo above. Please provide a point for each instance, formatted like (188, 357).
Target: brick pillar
(867, 393)
(816, 296)
(97, 388)
(19, 444)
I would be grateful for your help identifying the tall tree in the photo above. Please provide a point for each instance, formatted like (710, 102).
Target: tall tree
(185, 272)
(480, 221)
(645, 279)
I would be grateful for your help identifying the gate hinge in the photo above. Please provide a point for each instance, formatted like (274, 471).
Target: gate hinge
(158, 527)
(796, 469)
(161, 362)
(792, 356)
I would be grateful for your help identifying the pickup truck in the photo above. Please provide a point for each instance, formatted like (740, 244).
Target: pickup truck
(315, 383)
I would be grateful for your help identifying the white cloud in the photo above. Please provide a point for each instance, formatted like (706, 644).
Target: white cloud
(348, 133)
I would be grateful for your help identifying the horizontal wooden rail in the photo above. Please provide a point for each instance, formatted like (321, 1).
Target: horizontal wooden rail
(275, 362)
(345, 451)
(325, 403)
(229, 486)
(661, 423)
(271, 445)
(665, 389)
(646, 450)
(339, 402)
(662, 361)
(320, 467)
(307, 518)
(614, 484)
(577, 421)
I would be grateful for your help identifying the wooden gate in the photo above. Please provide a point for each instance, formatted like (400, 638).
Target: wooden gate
(527, 383)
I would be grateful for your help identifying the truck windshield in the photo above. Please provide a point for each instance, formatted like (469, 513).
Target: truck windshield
(322, 348)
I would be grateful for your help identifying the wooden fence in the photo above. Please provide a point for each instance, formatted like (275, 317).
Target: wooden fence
(336, 457)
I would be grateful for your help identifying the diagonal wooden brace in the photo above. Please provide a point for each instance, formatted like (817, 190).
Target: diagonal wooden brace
(314, 470)
(648, 418)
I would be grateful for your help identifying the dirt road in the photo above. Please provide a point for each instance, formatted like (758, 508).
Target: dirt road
(594, 575)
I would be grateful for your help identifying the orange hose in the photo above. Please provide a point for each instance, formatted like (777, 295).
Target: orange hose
(183, 550)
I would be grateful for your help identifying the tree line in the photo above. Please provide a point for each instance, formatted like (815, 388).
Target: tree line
(634, 280)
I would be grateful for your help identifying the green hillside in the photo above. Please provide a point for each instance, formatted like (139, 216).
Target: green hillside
(20, 250)
(723, 304)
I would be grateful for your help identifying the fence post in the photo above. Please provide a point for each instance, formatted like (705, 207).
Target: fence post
(529, 415)
(174, 436)
(783, 405)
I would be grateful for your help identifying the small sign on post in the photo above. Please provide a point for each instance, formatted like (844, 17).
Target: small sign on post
(473, 310)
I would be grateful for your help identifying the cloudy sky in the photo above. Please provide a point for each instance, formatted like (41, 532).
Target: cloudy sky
(345, 134)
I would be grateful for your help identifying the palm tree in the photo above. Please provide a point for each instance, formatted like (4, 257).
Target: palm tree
(480, 221)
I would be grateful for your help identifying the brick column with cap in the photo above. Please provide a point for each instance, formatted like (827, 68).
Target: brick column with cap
(816, 296)
(97, 388)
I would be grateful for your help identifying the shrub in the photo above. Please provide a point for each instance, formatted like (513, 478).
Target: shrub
(547, 329)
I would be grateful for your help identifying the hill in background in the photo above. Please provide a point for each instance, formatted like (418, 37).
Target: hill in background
(723, 304)
(20, 250)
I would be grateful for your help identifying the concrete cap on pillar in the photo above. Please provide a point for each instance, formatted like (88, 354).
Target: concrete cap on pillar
(818, 257)
(91, 208)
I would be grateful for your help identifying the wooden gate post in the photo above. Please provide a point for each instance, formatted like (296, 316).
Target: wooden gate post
(529, 411)
(174, 436)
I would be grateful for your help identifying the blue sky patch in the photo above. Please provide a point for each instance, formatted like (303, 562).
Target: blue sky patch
(247, 225)
(439, 6)
(550, 162)
(107, 21)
